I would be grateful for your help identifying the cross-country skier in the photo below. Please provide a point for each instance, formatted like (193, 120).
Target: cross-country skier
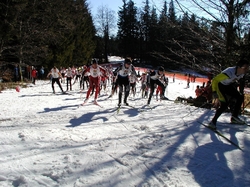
(132, 81)
(69, 76)
(114, 84)
(104, 80)
(95, 71)
(123, 72)
(144, 88)
(164, 80)
(84, 78)
(225, 89)
(153, 79)
(63, 72)
(55, 74)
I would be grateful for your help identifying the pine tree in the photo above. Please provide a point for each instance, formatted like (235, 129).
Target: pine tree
(128, 31)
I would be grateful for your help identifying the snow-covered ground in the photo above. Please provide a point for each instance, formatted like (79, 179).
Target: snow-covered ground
(46, 140)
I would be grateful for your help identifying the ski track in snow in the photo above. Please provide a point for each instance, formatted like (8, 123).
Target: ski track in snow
(47, 140)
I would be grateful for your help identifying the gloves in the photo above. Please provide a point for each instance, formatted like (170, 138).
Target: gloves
(215, 95)
(215, 102)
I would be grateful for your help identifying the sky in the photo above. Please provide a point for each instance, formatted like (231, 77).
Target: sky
(111, 4)
(114, 5)
(47, 140)
(158, 4)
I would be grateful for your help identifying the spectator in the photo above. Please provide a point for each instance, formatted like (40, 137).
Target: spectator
(42, 72)
(34, 75)
(16, 73)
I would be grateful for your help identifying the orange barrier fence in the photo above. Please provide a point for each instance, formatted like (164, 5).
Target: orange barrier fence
(180, 76)
(168, 74)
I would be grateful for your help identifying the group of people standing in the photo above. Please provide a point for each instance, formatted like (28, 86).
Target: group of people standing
(30, 73)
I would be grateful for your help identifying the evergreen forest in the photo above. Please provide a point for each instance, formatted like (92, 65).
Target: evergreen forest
(64, 33)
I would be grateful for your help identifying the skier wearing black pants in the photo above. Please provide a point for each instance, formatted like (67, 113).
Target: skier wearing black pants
(227, 86)
(154, 79)
(55, 74)
(123, 73)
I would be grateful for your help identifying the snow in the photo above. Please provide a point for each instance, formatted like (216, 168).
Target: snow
(115, 59)
(46, 140)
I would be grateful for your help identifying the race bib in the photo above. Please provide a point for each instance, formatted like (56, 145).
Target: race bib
(125, 72)
(95, 73)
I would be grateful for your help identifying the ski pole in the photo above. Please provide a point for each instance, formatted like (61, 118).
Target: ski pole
(196, 109)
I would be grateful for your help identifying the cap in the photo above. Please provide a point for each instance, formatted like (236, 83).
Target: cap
(127, 61)
(94, 61)
(161, 69)
(242, 62)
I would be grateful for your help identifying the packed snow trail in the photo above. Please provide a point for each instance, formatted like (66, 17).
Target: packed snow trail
(46, 140)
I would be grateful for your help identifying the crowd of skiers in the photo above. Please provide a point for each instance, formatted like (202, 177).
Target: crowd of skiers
(123, 80)
(224, 88)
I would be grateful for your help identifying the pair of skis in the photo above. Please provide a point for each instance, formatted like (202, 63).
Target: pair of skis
(121, 106)
(221, 135)
(142, 109)
(145, 108)
(95, 103)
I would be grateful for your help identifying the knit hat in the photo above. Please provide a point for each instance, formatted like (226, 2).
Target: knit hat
(94, 61)
(127, 61)
(161, 68)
